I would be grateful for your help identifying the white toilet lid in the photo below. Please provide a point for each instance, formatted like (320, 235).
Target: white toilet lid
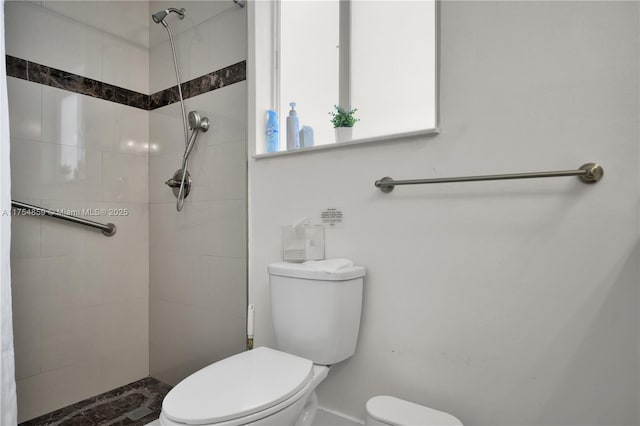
(394, 411)
(237, 386)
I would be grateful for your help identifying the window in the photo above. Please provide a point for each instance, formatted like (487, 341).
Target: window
(376, 56)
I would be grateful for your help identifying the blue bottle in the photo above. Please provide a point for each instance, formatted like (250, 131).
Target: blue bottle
(293, 128)
(273, 132)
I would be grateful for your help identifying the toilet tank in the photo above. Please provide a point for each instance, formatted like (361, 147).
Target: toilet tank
(316, 308)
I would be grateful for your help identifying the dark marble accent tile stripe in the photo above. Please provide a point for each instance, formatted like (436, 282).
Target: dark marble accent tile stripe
(16, 67)
(59, 79)
(42, 74)
(53, 77)
(214, 80)
(125, 96)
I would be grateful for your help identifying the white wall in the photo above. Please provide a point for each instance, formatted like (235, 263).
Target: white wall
(198, 260)
(501, 302)
(80, 300)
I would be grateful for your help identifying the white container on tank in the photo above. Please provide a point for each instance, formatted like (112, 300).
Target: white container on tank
(316, 308)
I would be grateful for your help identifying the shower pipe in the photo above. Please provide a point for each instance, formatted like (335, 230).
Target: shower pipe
(108, 230)
(587, 173)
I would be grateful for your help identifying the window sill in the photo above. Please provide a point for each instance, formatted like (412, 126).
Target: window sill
(326, 147)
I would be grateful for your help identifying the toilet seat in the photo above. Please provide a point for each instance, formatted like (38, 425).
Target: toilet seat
(237, 387)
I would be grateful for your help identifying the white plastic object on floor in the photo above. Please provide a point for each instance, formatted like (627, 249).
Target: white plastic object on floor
(391, 411)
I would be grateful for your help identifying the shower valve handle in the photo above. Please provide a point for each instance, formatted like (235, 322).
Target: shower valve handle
(175, 182)
(172, 183)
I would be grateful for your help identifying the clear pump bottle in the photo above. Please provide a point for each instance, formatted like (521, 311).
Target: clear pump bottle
(293, 128)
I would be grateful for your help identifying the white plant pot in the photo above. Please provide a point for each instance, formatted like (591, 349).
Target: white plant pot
(344, 134)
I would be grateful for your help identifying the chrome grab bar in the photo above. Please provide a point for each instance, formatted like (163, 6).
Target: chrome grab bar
(109, 229)
(587, 173)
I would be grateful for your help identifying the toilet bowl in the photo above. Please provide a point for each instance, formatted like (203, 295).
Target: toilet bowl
(391, 411)
(316, 317)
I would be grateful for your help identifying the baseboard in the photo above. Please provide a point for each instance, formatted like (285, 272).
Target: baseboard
(344, 419)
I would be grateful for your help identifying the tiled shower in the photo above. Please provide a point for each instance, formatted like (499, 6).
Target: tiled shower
(94, 125)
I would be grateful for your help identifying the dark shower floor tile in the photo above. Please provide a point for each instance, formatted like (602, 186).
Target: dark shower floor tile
(110, 408)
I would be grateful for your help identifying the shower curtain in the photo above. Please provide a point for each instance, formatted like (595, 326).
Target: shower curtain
(8, 408)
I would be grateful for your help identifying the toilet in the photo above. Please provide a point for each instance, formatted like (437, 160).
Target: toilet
(316, 310)
(391, 411)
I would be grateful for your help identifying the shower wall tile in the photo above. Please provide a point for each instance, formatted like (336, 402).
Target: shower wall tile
(59, 36)
(197, 12)
(27, 363)
(62, 239)
(122, 324)
(131, 131)
(168, 270)
(25, 110)
(57, 388)
(228, 278)
(126, 19)
(37, 34)
(74, 285)
(29, 289)
(27, 333)
(77, 120)
(226, 175)
(166, 132)
(125, 177)
(228, 229)
(124, 365)
(118, 55)
(46, 171)
(25, 235)
(191, 52)
(161, 168)
(227, 110)
(126, 282)
(187, 231)
(209, 228)
(68, 352)
(210, 45)
(226, 38)
(207, 341)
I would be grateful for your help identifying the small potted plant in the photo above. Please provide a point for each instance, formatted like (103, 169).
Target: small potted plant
(343, 121)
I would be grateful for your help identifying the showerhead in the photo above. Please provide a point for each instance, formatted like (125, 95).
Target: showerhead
(158, 17)
(194, 119)
(196, 122)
